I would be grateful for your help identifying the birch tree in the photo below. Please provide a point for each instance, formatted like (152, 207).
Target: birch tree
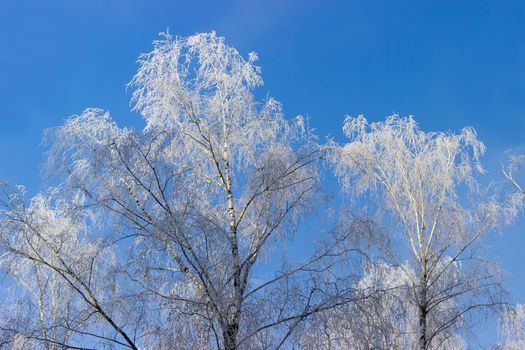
(427, 182)
(512, 320)
(66, 275)
(205, 191)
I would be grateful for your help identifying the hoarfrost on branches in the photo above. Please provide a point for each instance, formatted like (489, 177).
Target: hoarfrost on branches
(170, 236)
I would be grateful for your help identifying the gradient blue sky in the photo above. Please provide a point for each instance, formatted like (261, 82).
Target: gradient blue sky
(449, 63)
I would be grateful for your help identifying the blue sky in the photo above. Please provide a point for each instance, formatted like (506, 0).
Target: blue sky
(449, 63)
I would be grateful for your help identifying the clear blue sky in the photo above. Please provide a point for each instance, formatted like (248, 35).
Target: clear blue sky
(449, 63)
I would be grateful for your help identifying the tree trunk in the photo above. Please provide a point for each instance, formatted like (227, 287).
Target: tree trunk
(422, 327)
(423, 311)
(230, 336)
